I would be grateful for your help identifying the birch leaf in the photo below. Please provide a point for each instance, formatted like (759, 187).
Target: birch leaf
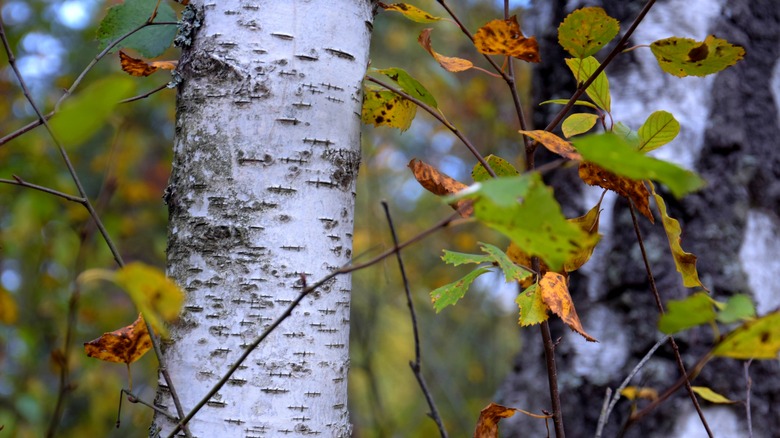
(409, 84)
(579, 123)
(450, 294)
(659, 129)
(411, 12)
(512, 272)
(533, 310)
(504, 37)
(598, 90)
(585, 31)
(487, 425)
(710, 395)
(499, 165)
(139, 67)
(634, 190)
(450, 64)
(459, 258)
(757, 339)
(151, 41)
(565, 101)
(155, 295)
(684, 56)
(589, 223)
(385, 108)
(555, 294)
(694, 310)
(125, 345)
(440, 184)
(738, 307)
(554, 144)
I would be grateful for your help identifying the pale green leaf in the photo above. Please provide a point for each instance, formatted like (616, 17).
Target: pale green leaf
(683, 56)
(579, 123)
(450, 294)
(586, 31)
(598, 90)
(512, 272)
(459, 258)
(738, 307)
(659, 129)
(499, 165)
(683, 314)
(409, 84)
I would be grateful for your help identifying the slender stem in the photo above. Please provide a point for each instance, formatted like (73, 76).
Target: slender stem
(22, 183)
(748, 387)
(145, 95)
(552, 379)
(660, 306)
(416, 365)
(438, 116)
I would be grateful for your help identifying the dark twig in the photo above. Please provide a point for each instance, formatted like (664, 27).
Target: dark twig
(608, 407)
(416, 364)
(438, 116)
(145, 95)
(552, 378)
(288, 311)
(132, 398)
(660, 306)
(17, 181)
(748, 388)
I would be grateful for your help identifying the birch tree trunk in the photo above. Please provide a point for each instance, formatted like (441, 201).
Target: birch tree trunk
(729, 135)
(261, 195)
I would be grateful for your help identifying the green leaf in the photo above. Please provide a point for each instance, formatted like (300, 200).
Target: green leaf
(565, 101)
(411, 12)
(512, 272)
(577, 124)
(757, 339)
(524, 209)
(409, 84)
(598, 90)
(685, 262)
(459, 258)
(613, 153)
(710, 395)
(683, 314)
(659, 129)
(739, 307)
(449, 294)
(532, 308)
(499, 165)
(151, 41)
(586, 31)
(683, 56)
(84, 114)
(385, 108)
(623, 131)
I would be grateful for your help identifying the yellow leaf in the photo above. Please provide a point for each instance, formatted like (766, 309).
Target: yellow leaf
(637, 392)
(554, 144)
(504, 37)
(8, 310)
(684, 261)
(156, 295)
(411, 12)
(555, 293)
(710, 395)
(448, 63)
(385, 108)
(125, 345)
(757, 339)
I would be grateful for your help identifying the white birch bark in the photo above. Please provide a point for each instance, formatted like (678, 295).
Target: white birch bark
(261, 194)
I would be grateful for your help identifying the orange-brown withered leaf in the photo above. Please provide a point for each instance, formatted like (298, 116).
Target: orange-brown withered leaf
(554, 144)
(487, 425)
(504, 37)
(555, 293)
(440, 184)
(125, 345)
(139, 67)
(632, 189)
(447, 62)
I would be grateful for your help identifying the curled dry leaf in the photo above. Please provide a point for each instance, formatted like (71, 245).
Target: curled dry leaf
(125, 345)
(440, 184)
(634, 190)
(555, 293)
(448, 63)
(139, 67)
(487, 426)
(504, 37)
(554, 144)
(411, 12)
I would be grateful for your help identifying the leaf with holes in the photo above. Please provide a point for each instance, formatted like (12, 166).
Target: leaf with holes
(586, 31)
(554, 143)
(555, 294)
(577, 124)
(450, 294)
(151, 41)
(504, 37)
(409, 84)
(659, 129)
(448, 63)
(385, 108)
(683, 56)
(411, 12)
(598, 90)
(757, 339)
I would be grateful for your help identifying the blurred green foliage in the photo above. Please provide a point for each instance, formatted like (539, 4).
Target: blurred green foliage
(45, 242)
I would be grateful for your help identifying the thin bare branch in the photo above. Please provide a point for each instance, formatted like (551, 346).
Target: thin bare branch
(17, 181)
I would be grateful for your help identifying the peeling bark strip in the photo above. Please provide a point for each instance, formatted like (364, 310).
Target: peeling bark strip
(261, 193)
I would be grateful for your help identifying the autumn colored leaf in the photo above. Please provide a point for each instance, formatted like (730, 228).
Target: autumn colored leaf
(738, 307)
(499, 165)
(151, 41)
(634, 190)
(555, 294)
(459, 258)
(411, 12)
(408, 84)
(689, 312)
(684, 56)
(685, 262)
(757, 339)
(440, 184)
(512, 272)
(659, 129)
(585, 31)
(487, 425)
(83, 115)
(577, 124)
(125, 345)
(524, 209)
(448, 63)
(8, 309)
(710, 395)
(533, 310)
(385, 108)
(565, 101)
(139, 67)
(598, 90)
(589, 223)
(613, 153)
(554, 143)
(504, 37)
(637, 392)
(451, 293)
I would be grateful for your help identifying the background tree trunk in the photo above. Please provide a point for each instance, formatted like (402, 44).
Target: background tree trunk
(261, 195)
(729, 135)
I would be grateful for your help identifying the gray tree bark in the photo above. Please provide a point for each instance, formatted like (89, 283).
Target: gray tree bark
(729, 135)
(261, 196)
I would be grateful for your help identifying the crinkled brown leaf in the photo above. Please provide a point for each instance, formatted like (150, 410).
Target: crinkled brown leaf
(628, 188)
(440, 184)
(590, 224)
(554, 144)
(448, 63)
(504, 37)
(555, 293)
(487, 426)
(139, 67)
(125, 345)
